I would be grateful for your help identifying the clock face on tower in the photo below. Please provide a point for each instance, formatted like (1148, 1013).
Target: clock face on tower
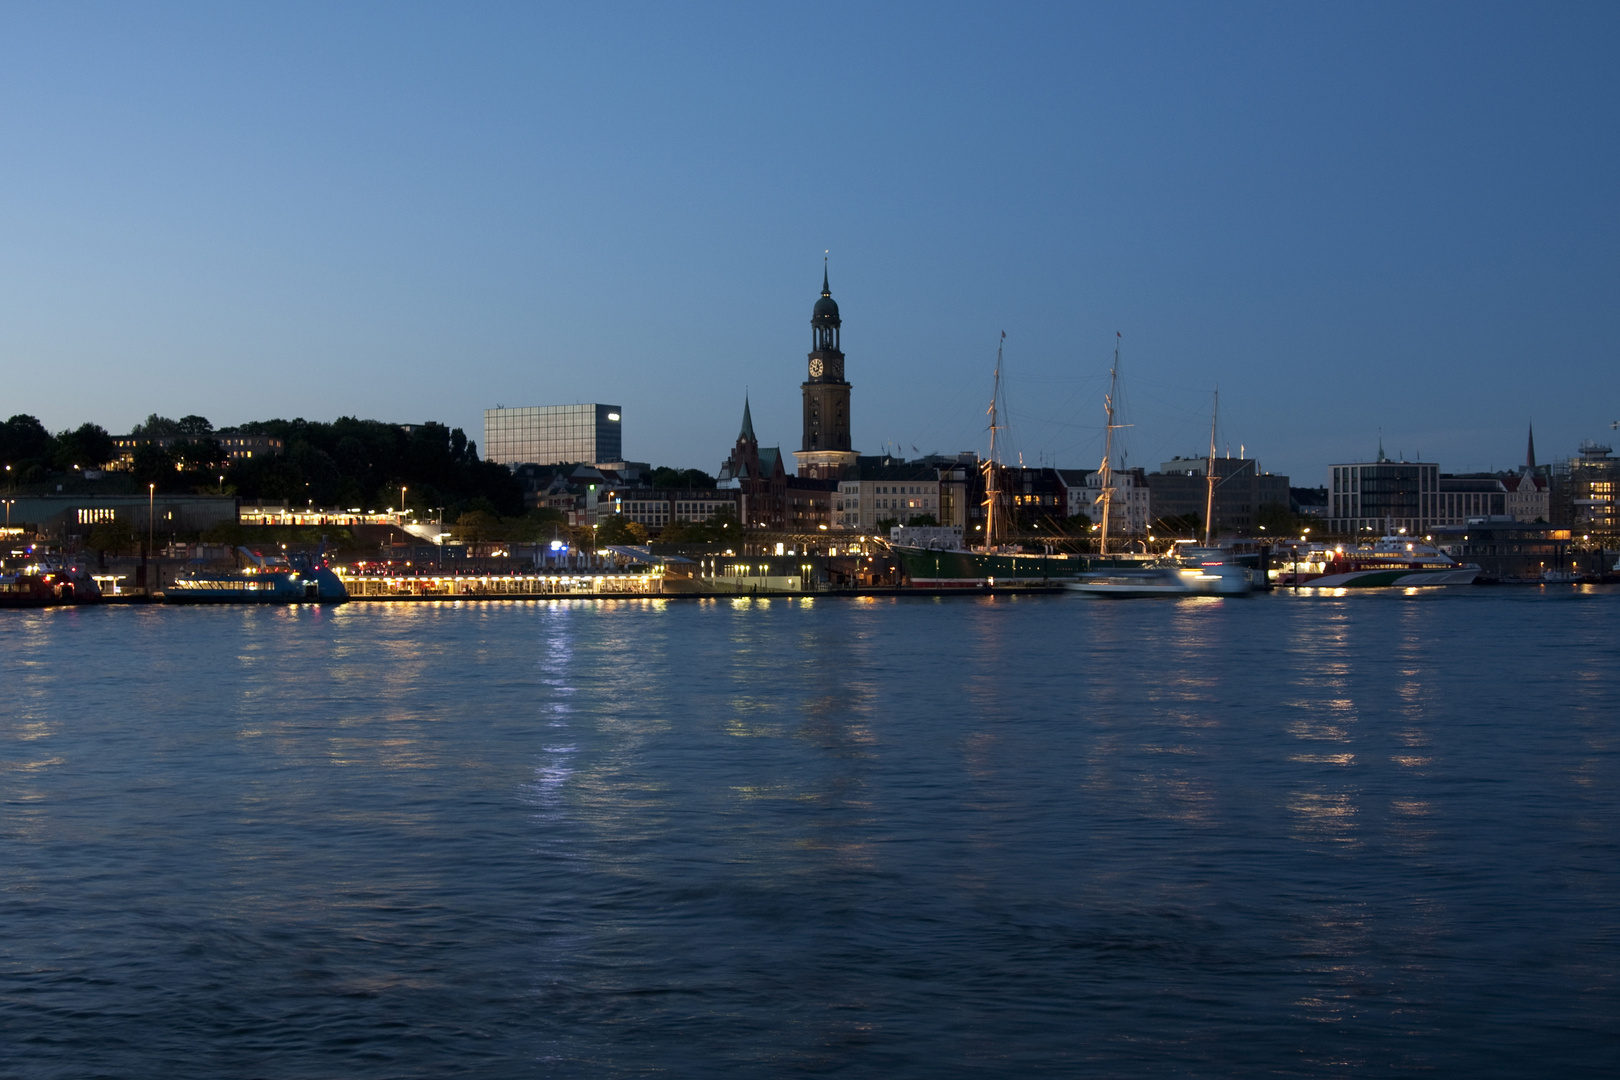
(815, 367)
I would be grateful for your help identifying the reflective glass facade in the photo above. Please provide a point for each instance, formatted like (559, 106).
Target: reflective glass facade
(549, 434)
(1383, 494)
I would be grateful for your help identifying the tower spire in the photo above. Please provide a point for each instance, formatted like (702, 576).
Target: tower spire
(747, 432)
(825, 450)
(1530, 451)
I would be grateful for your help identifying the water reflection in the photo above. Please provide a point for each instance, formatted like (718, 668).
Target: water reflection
(627, 837)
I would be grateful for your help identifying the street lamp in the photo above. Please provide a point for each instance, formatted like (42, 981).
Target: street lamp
(151, 518)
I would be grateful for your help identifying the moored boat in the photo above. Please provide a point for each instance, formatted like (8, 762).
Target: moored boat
(37, 579)
(933, 568)
(267, 580)
(1388, 562)
(1168, 579)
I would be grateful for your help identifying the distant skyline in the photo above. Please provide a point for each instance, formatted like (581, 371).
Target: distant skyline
(1351, 218)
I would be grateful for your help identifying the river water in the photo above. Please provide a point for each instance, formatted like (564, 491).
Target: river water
(1289, 834)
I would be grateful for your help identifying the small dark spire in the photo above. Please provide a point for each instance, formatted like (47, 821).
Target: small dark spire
(825, 291)
(747, 432)
(1530, 452)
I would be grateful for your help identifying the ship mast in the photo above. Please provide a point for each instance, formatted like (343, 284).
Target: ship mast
(1209, 472)
(992, 467)
(1107, 470)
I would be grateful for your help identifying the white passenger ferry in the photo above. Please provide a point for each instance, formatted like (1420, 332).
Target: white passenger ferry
(1388, 562)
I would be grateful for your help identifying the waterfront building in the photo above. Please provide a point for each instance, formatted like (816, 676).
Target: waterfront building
(244, 447)
(1037, 497)
(960, 482)
(554, 434)
(1417, 497)
(1506, 549)
(1131, 510)
(1584, 489)
(72, 517)
(1529, 492)
(657, 507)
(1529, 496)
(237, 446)
(1414, 497)
(1372, 496)
(881, 489)
(961, 492)
(583, 493)
(1464, 497)
(824, 450)
(1179, 493)
(770, 500)
(1309, 502)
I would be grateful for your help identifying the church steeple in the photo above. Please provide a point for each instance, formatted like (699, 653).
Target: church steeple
(1530, 451)
(747, 432)
(824, 330)
(825, 448)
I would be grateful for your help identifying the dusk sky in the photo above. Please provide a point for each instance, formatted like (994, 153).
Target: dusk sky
(1351, 217)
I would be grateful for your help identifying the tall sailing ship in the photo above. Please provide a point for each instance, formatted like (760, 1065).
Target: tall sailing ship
(994, 562)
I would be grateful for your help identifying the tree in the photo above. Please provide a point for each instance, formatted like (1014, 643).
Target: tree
(439, 466)
(87, 447)
(1176, 524)
(619, 529)
(24, 440)
(193, 425)
(537, 526)
(201, 456)
(719, 528)
(157, 427)
(477, 527)
(154, 465)
(1278, 520)
(666, 477)
(114, 536)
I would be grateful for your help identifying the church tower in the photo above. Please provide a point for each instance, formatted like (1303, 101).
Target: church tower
(824, 452)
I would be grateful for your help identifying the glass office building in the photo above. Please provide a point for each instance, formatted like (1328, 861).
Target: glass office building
(549, 434)
(1373, 496)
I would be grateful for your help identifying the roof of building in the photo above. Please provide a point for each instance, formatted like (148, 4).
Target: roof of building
(1530, 481)
(1452, 483)
(887, 469)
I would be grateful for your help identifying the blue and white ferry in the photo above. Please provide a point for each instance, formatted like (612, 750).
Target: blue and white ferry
(267, 579)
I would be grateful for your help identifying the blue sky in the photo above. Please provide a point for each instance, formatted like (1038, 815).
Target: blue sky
(1349, 217)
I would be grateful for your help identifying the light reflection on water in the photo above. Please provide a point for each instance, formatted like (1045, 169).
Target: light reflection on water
(1303, 834)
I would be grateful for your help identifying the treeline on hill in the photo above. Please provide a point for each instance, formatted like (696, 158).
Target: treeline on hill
(347, 463)
(34, 453)
(365, 463)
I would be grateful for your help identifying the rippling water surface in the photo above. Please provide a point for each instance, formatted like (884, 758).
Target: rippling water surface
(1290, 835)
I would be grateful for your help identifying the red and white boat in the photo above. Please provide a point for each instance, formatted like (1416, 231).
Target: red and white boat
(1388, 562)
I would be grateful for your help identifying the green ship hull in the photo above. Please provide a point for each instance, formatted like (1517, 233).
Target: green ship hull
(928, 569)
